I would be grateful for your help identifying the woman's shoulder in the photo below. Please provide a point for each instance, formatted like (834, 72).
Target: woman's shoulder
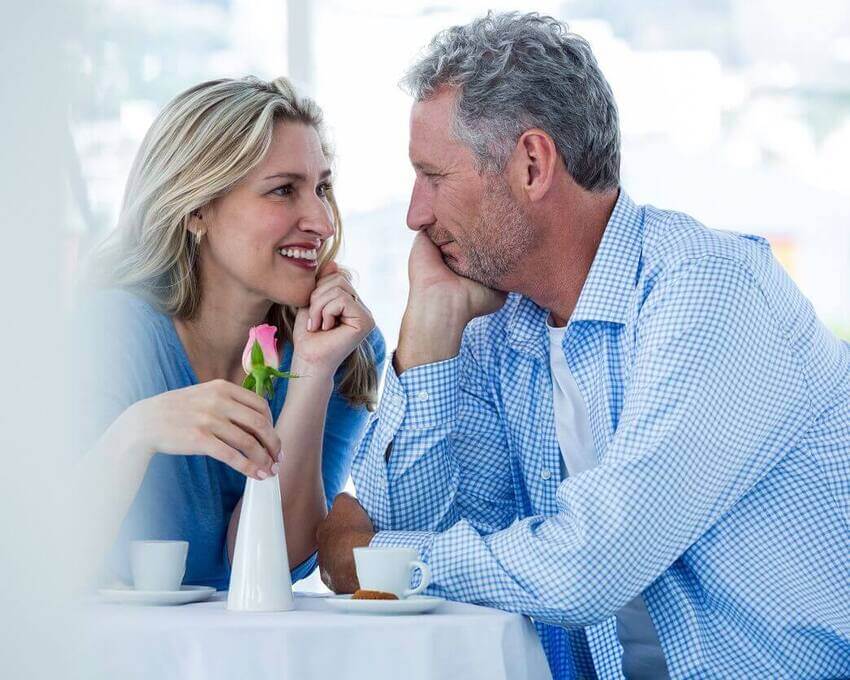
(118, 309)
(114, 301)
(119, 319)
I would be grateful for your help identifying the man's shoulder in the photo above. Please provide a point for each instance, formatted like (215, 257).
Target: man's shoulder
(673, 240)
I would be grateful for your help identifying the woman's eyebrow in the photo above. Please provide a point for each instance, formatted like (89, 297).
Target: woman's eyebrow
(297, 176)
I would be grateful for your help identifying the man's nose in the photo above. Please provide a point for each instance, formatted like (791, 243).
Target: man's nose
(420, 213)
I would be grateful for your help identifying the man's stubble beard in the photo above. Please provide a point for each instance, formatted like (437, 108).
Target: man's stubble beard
(501, 236)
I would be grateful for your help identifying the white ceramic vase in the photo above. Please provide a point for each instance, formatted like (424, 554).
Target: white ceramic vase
(259, 578)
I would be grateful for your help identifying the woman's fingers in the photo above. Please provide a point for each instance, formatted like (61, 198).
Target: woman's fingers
(219, 419)
(258, 426)
(246, 444)
(331, 283)
(331, 288)
(243, 420)
(319, 300)
(333, 303)
(229, 456)
(331, 311)
(328, 268)
(228, 391)
(338, 280)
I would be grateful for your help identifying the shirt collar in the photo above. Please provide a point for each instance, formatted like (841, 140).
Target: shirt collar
(606, 293)
(526, 327)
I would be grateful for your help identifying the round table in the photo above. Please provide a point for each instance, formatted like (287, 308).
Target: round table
(204, 641)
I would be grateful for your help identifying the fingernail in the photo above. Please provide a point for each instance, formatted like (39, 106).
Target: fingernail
(275, 468)
(262, 474)
(309, 324)
(280, 457)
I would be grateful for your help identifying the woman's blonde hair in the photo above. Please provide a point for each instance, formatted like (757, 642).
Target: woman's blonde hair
(203, 143)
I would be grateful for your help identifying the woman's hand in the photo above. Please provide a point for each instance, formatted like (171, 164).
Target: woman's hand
(334, 323)
(216, 418)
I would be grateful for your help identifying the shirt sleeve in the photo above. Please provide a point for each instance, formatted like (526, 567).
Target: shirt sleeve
(436, 451)
(715, 397)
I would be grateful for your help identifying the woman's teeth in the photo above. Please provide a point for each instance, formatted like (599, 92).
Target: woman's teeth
(298, 253)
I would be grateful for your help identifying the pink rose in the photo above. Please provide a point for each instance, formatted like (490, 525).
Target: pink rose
(265, 336)
(260, 361)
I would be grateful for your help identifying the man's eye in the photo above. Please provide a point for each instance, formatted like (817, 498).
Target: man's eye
(284, 190)
(323, 189)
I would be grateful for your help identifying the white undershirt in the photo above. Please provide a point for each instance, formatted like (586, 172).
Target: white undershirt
(642, 655)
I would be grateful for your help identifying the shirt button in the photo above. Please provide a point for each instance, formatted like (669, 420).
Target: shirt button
(398, 399)
(546, 474)
(422, 395)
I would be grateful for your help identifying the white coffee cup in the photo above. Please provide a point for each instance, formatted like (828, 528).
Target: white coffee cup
(158, 565)
(389, 570)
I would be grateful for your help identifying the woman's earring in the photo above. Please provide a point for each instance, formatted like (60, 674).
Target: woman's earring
(200, 233)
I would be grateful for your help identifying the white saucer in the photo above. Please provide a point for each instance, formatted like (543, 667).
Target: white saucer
(185, 595)
(415, 604)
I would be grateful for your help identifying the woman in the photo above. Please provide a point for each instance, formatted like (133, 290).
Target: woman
(228, 222)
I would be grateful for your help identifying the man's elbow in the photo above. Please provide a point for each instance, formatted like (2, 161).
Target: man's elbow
(574, 609)
(584, 597)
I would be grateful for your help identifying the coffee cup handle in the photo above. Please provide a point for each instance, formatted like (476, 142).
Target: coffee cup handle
(424, 582)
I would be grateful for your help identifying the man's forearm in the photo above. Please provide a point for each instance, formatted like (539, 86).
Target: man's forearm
(417, 415)
(429, 333)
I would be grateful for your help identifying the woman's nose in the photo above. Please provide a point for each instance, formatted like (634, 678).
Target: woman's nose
(319, 220)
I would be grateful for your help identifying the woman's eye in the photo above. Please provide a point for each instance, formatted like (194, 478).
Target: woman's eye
(323, 189)
(284, 190)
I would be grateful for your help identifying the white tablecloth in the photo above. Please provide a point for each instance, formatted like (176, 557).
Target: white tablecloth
(204, 641)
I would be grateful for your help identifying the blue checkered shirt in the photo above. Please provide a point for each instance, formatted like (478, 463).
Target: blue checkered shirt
(720, 412)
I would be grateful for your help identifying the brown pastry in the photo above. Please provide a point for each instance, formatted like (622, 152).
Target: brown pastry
(372, 595)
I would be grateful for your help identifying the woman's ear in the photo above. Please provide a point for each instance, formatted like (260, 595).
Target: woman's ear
(199, 219)
(534, 161)
(196, 224)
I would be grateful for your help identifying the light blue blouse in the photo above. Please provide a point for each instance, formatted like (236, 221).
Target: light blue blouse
(126, 350)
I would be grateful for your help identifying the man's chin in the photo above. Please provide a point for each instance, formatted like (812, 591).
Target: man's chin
(454, 265)
(470, 273)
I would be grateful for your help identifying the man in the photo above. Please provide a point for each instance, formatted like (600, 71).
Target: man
(645, 446)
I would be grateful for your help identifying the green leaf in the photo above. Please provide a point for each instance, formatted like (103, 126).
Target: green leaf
(249, 382)
(257, 355)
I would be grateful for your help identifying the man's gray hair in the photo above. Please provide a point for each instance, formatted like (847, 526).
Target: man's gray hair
(515, 72)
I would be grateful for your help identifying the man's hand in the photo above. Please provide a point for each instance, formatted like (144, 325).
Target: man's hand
(346, 527)
(440, 305)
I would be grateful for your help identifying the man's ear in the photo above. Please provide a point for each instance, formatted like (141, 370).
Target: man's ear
(534, 163)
